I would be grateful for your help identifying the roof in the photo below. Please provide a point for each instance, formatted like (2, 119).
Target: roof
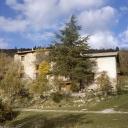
(31, 51)
(25, 52)
(103, 54)
(90, 55)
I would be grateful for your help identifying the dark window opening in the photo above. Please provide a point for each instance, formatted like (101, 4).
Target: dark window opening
(37, 67)
(22, 58)
(36, 74)
(21, 75)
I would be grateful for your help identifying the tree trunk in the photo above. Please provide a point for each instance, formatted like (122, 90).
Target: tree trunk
(81, 85)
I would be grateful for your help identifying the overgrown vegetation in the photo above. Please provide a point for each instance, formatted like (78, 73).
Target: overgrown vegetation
(6, 113)
(123, 62)
(10, 82)
(104, 83)
(10, 86)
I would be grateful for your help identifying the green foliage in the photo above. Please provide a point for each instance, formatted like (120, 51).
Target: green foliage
(70, 33)
(117, 102)
(5, 61)
(122, 86)
(104, 83)
(123, 61)
(39, 86)
(75, 86)
(44, 68)
(57, 97)
(70, 54)
(10, 83)
(69, 120)
(6, 112)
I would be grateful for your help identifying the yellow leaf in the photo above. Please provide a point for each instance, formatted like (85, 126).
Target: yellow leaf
(44, 68)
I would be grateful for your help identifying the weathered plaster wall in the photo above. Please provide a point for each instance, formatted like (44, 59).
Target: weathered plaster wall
(28, 63)
(107, 64)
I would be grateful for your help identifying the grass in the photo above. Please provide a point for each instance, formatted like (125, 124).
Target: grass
(119, 103)
(69, 120)
(77, 120)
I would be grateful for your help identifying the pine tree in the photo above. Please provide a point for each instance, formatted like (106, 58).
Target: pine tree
(70, 54)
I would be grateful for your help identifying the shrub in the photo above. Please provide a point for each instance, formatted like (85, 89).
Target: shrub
(6, 112)
(122, 86)
(75, 87)
(104, 83)
(57, 97)
(24, 93)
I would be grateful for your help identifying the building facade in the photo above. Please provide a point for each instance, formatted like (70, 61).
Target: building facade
(27, 60)
(106, 62)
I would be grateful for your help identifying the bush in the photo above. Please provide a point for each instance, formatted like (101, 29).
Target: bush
(75, 87)
(57, 97)
(104, 83)
(6, 112)
(122, 86)
(24, 93)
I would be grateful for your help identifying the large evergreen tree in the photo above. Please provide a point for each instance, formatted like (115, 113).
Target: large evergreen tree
(70, 54)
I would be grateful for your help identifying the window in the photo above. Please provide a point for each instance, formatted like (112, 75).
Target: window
(22, 67)
(21, 75)
(22, 58)
(36, 74)
(37, 67)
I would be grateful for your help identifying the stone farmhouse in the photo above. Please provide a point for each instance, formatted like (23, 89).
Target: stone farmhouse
(28, 60)
(106, 61)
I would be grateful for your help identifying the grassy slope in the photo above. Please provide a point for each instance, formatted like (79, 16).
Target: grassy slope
(63, 120)
(72, 120)
(119, 102)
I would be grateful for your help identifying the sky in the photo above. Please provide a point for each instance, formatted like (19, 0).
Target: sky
(29, 23)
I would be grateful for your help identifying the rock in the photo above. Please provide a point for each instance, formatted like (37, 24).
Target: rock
(84, 109)
(109, 110)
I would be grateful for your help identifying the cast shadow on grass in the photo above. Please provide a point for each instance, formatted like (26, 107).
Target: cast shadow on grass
(8, 116)
(63, 121)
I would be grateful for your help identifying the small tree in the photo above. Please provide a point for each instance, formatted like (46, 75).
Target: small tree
(104, 83)
(11, 83)
(44, 68)
(41, 83)
(5, 61)
(38, 86)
